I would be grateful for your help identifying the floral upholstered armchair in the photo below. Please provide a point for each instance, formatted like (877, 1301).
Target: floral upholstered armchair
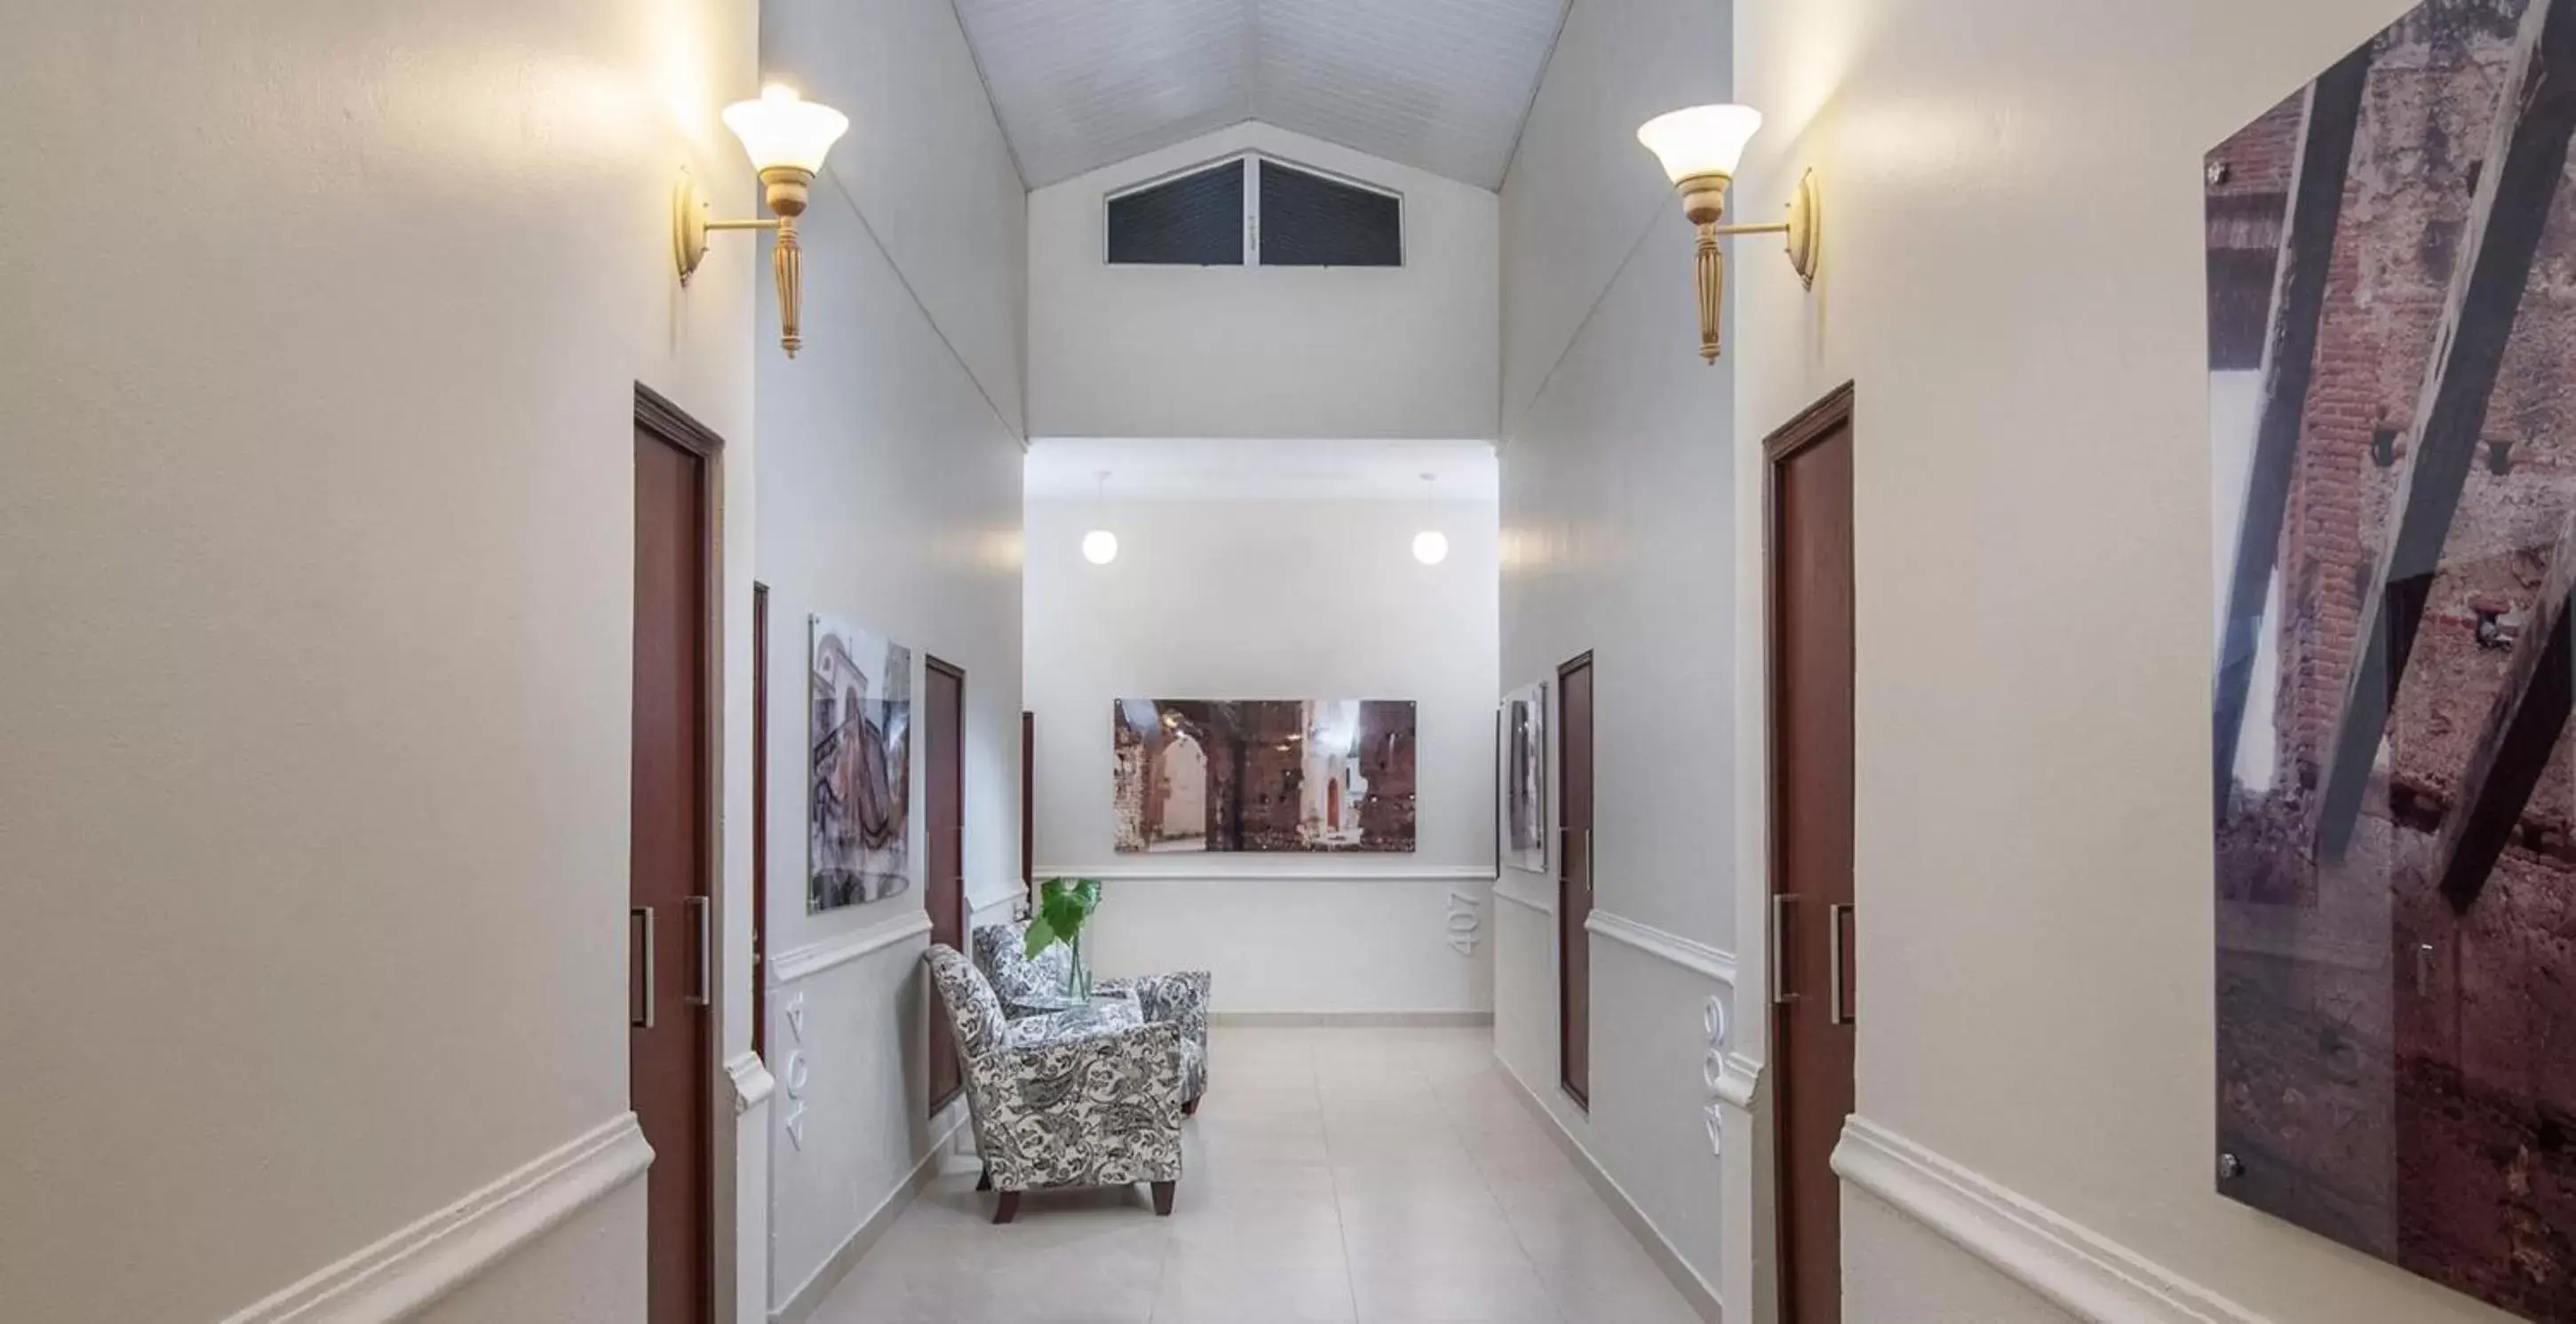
(1085, 1098)
(1034, 986)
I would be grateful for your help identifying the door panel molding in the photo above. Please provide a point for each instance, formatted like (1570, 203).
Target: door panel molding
(943, 891)
(1809, 737)
(676, 849)
(1577, 873)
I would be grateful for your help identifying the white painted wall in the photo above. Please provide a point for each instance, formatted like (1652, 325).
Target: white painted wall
(890, 500)
(315, 567)
(2013, 276)
(1135, 351)
(1583, 200)
(1618, 512)
(1273, 599)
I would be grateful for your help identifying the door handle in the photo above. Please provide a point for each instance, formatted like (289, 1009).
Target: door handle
(642, 1020)
(1781, 903)
(701, 911)
(1838, 918)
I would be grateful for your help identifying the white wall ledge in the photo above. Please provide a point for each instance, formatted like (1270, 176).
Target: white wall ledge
(814, 958)
(1356, 871)
(2071, 1265)
(399, 1275)
(1687, 953)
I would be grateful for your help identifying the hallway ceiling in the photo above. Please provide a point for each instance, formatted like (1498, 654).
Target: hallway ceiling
(1439, 85)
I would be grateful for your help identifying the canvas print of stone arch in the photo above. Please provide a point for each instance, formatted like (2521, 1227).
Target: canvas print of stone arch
(2392, 375)
(1295, 775)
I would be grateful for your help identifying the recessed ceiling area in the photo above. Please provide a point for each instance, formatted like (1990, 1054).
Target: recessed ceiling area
(1439, 85)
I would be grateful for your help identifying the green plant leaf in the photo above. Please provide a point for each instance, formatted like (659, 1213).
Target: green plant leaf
(1063, 905)
(1064, 913)
(1042, 935)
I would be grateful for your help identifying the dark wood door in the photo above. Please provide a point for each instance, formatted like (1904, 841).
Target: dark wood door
(1811, 833)
(1574, 881)
(1029, 805)
(760, 820)
(670, 832)
(946, 738)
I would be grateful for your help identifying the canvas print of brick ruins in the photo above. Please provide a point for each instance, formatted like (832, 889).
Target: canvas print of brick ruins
(2392, 376)
(1263, 775)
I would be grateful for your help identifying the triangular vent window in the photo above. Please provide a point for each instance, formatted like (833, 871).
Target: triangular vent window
(1251, 210)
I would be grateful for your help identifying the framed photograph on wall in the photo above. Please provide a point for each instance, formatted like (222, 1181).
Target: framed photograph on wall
(1524, 793)
(2392, 412)
(1264, 775)
(859, 821)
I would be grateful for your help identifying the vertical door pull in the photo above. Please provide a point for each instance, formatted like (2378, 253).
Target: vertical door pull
(642, 1020)
(1781, 903)
(700, 910)
(1839, 917)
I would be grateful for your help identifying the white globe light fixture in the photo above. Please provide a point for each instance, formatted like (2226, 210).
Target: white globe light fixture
(1100, 546)
(1431, 546)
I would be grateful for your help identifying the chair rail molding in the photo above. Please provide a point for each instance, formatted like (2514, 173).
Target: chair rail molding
(401, 1274)
(2073, 1266)
(1681, 951)
(1239, 873)
(816, 957)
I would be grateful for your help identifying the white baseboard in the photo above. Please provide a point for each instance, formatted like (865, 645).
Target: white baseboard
(1508, 888)
(401, 1274)
(2080, 1270)
(1285, 1020)
(802, 1303)
(1703, 1298)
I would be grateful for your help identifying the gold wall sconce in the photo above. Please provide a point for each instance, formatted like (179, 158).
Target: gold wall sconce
(1700, 148)
(786, 137)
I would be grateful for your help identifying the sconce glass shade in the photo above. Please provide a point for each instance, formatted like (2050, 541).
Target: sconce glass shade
(1100, 547)
(1431, 547)
(1702, 140)
(782, 129)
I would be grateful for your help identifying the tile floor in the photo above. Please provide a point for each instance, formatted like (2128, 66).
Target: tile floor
(1387, 1176)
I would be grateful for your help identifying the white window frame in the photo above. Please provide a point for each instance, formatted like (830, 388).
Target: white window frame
(1253, 159)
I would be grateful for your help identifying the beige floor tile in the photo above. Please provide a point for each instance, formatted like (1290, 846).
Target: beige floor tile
(1387, 1176)
(1432, 1289)
(1227, 1287)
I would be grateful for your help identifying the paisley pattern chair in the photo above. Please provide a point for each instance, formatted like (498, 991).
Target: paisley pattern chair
(1033, 986)
(1092, 1098)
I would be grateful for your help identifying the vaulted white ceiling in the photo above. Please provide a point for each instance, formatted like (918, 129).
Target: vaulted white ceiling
(1440, 85)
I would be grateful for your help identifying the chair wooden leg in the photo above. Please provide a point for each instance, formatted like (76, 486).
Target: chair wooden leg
(985, 1182)
(1163, 1198)
(1007, 1208)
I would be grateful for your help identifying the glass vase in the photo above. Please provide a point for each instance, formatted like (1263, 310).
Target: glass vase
(1077, 972)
